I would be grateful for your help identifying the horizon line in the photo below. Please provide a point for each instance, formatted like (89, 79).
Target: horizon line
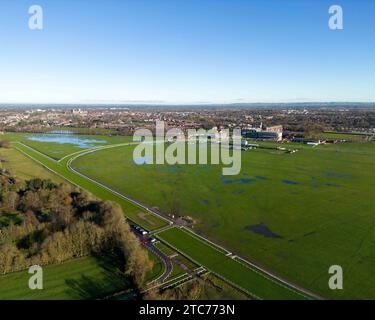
(159, 103)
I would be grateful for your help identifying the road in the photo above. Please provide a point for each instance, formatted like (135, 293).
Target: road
(168, 266)
(166, 260)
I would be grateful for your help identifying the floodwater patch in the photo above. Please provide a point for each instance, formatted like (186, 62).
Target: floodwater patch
(263, 230)
(205, 202)
(76, 140)
(336, 175)
(290, 182)
(241, 180)
(238, 192)
(261, 178)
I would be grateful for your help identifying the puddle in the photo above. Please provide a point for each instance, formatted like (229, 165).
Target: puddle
(336, 175)
(261, 178)
(290, 182)
(241, 180)
(332, 185)
(263, 230)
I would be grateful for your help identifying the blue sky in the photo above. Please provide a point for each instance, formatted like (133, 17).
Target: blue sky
(192, 51)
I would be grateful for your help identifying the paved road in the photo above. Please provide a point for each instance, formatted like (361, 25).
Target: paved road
(168, 266)
(166, 260)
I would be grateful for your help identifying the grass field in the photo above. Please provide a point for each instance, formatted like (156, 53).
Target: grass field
(296, 214)
(85, 278)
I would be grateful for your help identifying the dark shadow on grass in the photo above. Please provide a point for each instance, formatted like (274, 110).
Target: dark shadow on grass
(111, 280)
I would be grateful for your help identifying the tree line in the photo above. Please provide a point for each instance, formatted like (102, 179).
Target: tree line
(45, 223)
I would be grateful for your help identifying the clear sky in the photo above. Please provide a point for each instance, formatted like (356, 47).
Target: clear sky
(187, 51)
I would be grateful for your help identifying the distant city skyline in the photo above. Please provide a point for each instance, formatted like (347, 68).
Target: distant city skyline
(186, 52)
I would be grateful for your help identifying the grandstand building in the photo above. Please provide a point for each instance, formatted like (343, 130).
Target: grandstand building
(274, 133)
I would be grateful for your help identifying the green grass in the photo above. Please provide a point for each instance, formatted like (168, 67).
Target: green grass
(85, 278)
(217, 262)
(319, 201)
(23, 167)
(157, 269)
